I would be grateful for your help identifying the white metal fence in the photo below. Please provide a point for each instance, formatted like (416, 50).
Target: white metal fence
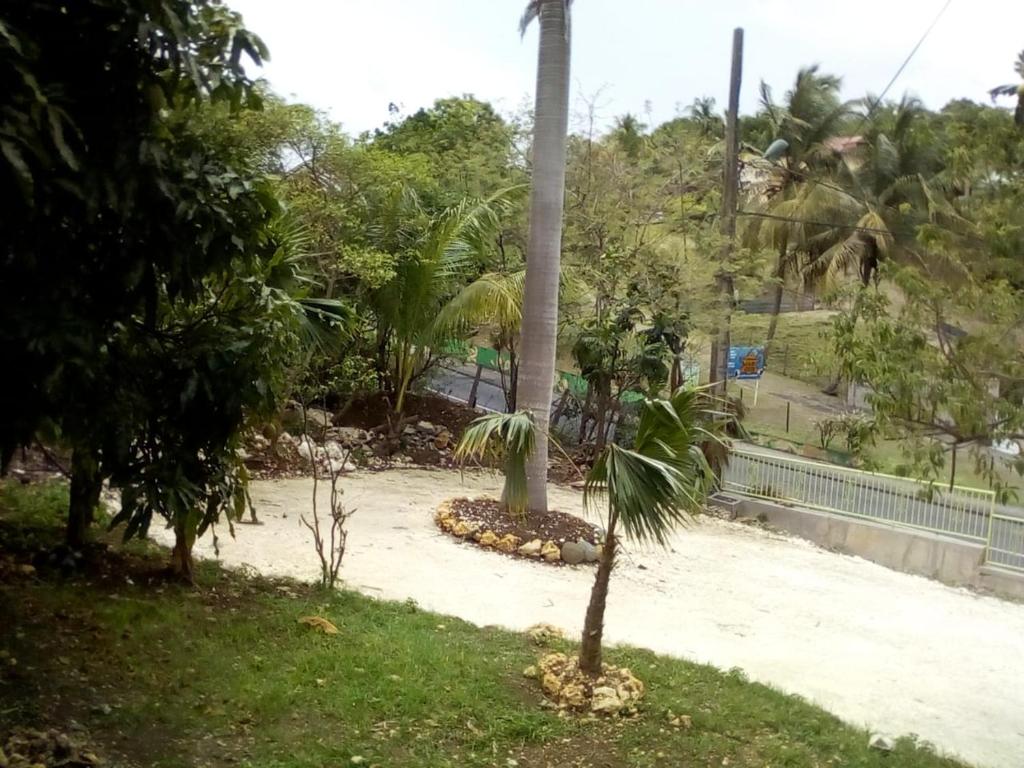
(966, 513)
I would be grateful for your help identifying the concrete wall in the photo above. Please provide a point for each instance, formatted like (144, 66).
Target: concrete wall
(953, 561)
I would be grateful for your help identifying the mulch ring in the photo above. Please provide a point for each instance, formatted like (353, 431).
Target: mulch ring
(555, 538)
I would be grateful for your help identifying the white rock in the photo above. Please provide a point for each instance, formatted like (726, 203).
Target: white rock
(531, 548)
(605, 700)
(426, 426)
(306, 448)
(334, 451)
(881, 742)
(317, 417)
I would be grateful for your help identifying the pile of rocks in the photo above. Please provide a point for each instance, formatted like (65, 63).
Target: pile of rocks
(569, 552)
(423, 434)
(615, 692)
(29, 748)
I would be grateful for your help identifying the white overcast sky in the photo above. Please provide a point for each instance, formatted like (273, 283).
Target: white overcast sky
(354, 57)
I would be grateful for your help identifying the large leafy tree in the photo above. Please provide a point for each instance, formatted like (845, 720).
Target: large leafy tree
(547, 191)
(882, 189)
(121, 220)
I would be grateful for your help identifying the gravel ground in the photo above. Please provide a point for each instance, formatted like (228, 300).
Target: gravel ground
(897, 653)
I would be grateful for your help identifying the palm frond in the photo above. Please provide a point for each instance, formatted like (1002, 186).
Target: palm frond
(532, 11)
(656, 484)
(494, 298)
(510, 436)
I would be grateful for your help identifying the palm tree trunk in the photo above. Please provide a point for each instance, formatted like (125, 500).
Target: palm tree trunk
(540, 300)
(593, 625)
(780, 286)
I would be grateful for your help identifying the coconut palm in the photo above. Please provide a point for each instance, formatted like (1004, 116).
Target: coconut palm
(643, 491)
(1013, 89)
(494, 300)
(547, 191)
(880, 193)
(810, 115)
(426, 275)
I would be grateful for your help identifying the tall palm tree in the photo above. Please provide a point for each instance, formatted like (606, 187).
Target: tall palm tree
(547, 191)
(644, 491)
(810, 114)
(1014, 89)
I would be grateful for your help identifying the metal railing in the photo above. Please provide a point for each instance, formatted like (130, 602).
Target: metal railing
(965, 513)
(1005, 547)
(961, 512)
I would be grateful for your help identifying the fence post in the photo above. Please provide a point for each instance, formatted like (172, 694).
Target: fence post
(991, 522)
(476, 384)
(788, 404)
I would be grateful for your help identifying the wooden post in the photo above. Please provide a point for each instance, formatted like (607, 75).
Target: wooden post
(730, 195)
(952, 470)
(476, 383)
(788, 404)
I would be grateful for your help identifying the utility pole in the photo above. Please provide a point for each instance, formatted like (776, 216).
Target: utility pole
(730, 194)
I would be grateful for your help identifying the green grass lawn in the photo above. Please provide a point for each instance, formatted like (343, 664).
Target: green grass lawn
(224, 675)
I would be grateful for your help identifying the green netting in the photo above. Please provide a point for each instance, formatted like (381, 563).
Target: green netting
(488, 358)
(455, 348)
(632, 396)
(576, 383)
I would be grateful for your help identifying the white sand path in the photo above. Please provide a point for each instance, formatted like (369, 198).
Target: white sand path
(897, 653)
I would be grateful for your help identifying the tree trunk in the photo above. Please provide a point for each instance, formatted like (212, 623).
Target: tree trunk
(547, 192)
(593, 625)
(513, 382)
(780, 275)
(602, 416)
(86, 484)
(181, 556)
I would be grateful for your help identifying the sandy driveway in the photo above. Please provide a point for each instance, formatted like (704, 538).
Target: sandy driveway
(898, 653)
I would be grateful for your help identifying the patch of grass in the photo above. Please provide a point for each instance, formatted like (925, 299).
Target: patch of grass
(38, 505)
(225, 676)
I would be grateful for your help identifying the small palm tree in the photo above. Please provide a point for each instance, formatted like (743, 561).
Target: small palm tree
(1013, 89)
(494, 300)
(644, 491)
(426, 277)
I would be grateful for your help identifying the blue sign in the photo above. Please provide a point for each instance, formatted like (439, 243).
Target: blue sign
(746, 362)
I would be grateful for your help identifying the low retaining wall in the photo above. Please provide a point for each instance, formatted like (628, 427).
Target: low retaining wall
(950, 560)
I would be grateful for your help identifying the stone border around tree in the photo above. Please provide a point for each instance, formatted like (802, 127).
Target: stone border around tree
(538, 550)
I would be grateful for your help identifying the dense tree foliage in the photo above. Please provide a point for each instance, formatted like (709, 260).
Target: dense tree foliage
(146, 283)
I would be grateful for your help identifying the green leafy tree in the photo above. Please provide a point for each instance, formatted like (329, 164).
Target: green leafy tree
(467, 144)
(944, 366)
(128, 235)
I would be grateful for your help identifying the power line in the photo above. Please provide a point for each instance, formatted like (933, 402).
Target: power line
(906, 61)
(829, 224)
(871, 108)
